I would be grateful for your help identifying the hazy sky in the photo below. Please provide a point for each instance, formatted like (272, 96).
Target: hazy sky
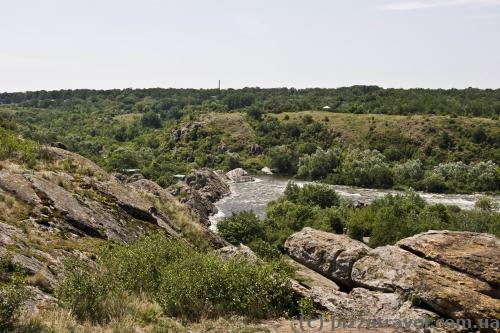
(268, 43)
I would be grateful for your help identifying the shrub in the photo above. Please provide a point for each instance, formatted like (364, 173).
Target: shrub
(485, 203)
(184, 282)
(151, 119)
(367, 168)
(283, 160)
(85, 292)
(394, 217)
(242, 227)
(203, 285)
(312, 194)
(11, 296)
(409, 171)
(319, 164)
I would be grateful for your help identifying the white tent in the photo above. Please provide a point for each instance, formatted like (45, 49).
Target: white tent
(326, 107)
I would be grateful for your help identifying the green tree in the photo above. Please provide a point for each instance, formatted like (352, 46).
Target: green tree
(243, 227)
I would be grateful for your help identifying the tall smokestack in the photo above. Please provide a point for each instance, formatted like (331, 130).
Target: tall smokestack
(219, 87)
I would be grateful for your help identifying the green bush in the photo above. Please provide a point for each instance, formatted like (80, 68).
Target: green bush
(204, 286)
(184, 282)
(11, 296)
(319, 164)
(312, 194)
(87, 293)
(395, 217)
(242, 227)
(366, 168)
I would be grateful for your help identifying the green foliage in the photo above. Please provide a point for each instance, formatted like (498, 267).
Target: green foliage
(367, 168)
(312, 194)
(486, 204)
(395, 217)
(314, 205)
(201, 286)
(283, 160)
(11, 299)
(243, 227)
(117, 129)
(12, 146)
(409, 172)
(306, 307)
(151, 119)
(186, 283)
(319, 164)
(87, 293)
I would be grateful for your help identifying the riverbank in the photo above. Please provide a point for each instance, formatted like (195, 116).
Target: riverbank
(256, 194)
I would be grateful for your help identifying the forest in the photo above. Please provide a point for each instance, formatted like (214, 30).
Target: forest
(433, 140)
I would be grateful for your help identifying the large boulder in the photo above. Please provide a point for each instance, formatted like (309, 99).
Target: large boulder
(239, 175)
(328, 254)
(472, 253)
(448, 292)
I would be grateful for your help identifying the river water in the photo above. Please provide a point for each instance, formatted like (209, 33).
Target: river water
(255, 196)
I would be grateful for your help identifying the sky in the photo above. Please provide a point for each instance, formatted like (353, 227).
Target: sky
(103, 44)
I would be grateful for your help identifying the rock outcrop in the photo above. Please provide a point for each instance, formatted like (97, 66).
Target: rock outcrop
(199, 191)
(472, 253)
(70, 206)
(239, 175)
(430, 275)
(328, 254)
(448, 292)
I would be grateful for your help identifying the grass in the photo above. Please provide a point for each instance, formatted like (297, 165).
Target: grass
(355, 127)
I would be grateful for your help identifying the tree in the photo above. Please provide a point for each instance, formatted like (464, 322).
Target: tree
(319, 164)
(243, 227)
(151, 119)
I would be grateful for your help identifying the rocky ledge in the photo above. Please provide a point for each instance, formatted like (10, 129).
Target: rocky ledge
(437, 274)
(71, 206)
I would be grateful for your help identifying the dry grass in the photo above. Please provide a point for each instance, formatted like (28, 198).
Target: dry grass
(11, 209)
(233, 126)
(141, 316)
(422, 128)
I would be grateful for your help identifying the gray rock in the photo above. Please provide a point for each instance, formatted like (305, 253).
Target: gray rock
(469, 252)
(266, 170)
(328, 254)
(448, 292)
(231, 251)
(363, 304)
(199, 191)
(239, 175)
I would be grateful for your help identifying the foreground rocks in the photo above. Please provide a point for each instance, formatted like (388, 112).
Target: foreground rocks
(448, 292)
(430, 275)
(326, 253)
(472, 253)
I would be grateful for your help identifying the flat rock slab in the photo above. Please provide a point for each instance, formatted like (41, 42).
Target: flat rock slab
(473, 253)
(328, 254)
(448, 292)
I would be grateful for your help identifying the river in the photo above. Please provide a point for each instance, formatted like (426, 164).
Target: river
(255, 196)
